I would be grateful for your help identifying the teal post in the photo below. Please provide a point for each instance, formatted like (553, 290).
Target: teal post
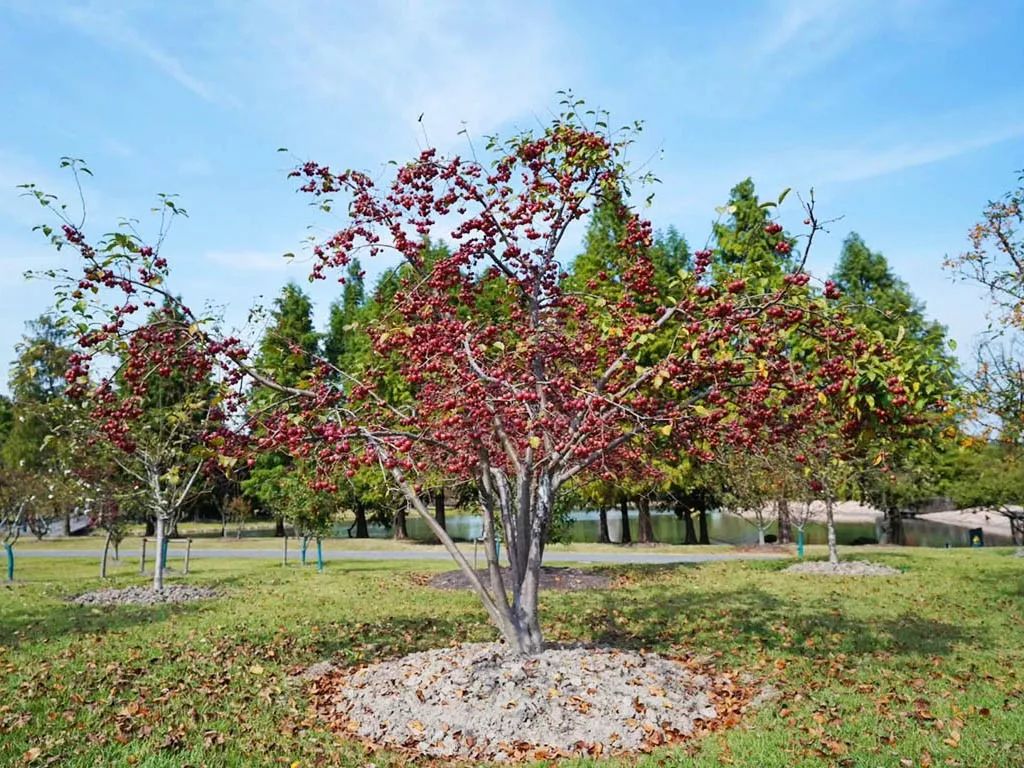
(319, 556)
(800, 543)
(10, 561)
(165, 543)
(497, 550)
(302, 551)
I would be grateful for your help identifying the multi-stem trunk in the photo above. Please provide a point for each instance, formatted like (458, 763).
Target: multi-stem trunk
(521, 507)
(686, 514)
(644, 524)
(401, 532)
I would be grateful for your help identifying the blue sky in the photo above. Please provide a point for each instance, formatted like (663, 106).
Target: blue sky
(905, 116)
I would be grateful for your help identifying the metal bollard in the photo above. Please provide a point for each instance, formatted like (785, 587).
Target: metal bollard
(142, 564)
(188, 553)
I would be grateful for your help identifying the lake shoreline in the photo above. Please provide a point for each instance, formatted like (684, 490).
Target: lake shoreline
(991, 522)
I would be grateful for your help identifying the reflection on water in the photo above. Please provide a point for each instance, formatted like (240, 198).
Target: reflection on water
(722, 528)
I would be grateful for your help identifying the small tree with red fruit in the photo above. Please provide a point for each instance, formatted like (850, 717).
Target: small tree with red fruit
(485, 368)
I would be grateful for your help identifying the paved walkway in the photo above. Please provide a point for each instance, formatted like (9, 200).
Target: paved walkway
(551, 557)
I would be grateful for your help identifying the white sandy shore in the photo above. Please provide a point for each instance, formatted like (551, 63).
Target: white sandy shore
(854, 512)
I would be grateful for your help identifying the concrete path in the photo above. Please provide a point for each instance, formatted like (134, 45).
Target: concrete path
(618, 558)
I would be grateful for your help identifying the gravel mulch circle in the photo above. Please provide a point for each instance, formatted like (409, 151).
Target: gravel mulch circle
(844, 568)
(173, 593)
(565, 579)
(477, 702)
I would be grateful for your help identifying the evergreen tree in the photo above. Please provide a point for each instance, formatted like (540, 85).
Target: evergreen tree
(877, 299)
(36, 383)
(288, 348)
(748, 244)
(286, 354)
(6, 422)
(344, 339)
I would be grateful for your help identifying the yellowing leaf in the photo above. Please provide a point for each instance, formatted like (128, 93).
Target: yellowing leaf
(256, 669)
(534, 442)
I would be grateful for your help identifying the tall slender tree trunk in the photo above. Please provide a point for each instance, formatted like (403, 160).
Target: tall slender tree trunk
(644, 524)
(278, 527)
(106, 550)
(830, 523)
(158, 567)
(626, 537)
(401, 532)
(66, 527)
(362, 529)
(785, 522)
(439, 511)
(602, 526)
(150, 527)
(702, 519)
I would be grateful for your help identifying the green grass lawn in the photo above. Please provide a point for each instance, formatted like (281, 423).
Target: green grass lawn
(924, 669)
(131, 545)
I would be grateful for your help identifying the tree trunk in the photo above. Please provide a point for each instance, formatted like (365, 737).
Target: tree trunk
(158, 568)
(833, 552)
(279, 527)
(362, 529)
(103, 562)
(439, 508)
(686, 514)
(66, 526)
(644, 524)
(626, 537)
(150, 527)
(602, 526)
(401, 532)
(785, 524)
(702, 519)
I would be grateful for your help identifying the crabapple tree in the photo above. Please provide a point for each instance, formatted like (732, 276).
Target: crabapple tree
(485, 367)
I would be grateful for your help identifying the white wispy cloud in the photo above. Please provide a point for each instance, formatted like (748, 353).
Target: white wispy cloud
(482, 64)
(848, 164)
(113, 29)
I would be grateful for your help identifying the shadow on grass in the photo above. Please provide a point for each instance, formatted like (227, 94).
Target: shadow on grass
(752, 616)
(44, 622)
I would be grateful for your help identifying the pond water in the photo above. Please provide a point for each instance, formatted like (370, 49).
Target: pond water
(722, 529)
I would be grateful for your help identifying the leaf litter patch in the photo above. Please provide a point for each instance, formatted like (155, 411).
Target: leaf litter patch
(551, 578)
(173, 593)
(843, 568)
(479, 702)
